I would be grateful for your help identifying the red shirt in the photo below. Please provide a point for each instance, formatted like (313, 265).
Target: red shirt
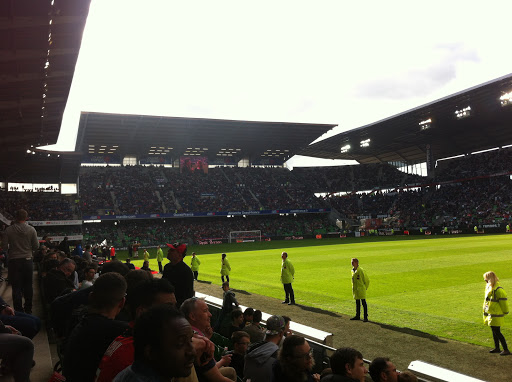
(118, 357)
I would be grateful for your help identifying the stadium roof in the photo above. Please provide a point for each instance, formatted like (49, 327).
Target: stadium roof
(141, 135)
(401, 138)
(39, 45)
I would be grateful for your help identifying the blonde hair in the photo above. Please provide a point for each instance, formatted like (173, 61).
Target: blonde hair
(491, 278)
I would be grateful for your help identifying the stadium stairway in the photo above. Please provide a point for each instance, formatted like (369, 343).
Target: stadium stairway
(43, 368)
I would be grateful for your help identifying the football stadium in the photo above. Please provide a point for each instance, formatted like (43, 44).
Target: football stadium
(147, 210)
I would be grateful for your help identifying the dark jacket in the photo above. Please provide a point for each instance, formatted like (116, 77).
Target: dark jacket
(182, 279)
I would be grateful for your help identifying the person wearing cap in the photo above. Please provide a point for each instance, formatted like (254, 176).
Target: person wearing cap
(225, 269)
(178, 273)
(261, 355)
(287, 276)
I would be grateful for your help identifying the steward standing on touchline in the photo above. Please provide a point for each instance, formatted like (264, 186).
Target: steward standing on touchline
(287, 277)
(225, 269)
(360, 283)
(194, 265)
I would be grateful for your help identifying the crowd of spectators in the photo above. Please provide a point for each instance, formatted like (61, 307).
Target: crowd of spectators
(192, 230)
(42, 205)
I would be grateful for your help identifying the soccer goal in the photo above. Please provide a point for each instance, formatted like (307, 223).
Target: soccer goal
(244, 236)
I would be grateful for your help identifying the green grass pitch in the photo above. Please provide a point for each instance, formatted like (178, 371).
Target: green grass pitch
(430, 284)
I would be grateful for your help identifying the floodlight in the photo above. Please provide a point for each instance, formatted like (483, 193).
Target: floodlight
(463, 113)
(365, 143)
(426, 124)
(506, 99)
(345, 148)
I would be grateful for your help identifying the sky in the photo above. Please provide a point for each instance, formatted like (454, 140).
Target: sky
(326, 61)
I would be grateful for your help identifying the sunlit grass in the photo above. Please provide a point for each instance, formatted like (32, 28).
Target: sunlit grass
(430, 284)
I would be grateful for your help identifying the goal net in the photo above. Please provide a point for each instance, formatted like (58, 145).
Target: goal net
(244, 236)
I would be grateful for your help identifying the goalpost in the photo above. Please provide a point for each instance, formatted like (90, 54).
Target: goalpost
(244, 236)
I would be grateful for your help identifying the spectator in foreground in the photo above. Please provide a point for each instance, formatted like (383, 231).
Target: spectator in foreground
(16, 352)
(163, 347)
(237, 319)
(198, 315)
(240, 341)
(254, 329)
(347, 366)
(261, 356)
(295, 362)
(383, 370)
(120, 353)
(57, 281)
(407, 376)
(178, 273)
(89, 340)
(21, 241)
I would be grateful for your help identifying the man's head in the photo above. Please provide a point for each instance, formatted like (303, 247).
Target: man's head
(163, 340)
(67, 266)
(296, 355)
(150, 293)
(383, 370)
(89, 272)
(349, 362)
(223, 256)
(355, 263)
(287, 321)
(108, 294)
(196, 312)
(145, 264)
(284, 255)
(275, 329)
(256, 318)
(176, 253)
(240, 341)
(193, 254)
(225, 286)
(20, 216)
(128, 261)
(115, 266)
(248, 314)
(237, 317)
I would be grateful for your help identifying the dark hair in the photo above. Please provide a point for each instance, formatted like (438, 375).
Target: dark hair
(223, 255)
(21, 215)
(343, 356)
(290, 343)
(115, 266)
(249, 312)
(67, 261)
(377, 366)
(136, 277)
(108, 290)
(286, 319)
(257, 316)
(150, 326)
(238, 335)
(146, 293)
(236, 313)
(225, 283)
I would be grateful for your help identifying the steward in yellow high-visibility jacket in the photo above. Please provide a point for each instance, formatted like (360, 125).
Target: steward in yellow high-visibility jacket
(495, 308)
(360, 283)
